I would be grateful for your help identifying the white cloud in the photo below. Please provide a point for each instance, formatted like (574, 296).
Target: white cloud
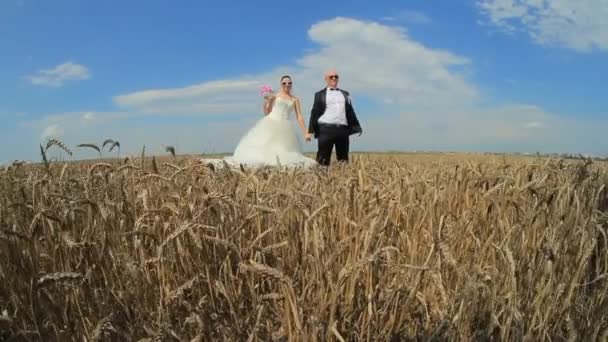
(420, 99)
(212, 90)
(88, 117)
(376, 61)
(533, 124)
(67, 126)
(72, 121)
(382, 61)
(409, 16)
(60, 74)
(576, 24)
(210, 97)
(52, 132)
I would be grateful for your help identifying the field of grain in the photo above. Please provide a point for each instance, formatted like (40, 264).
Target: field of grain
(390, 247)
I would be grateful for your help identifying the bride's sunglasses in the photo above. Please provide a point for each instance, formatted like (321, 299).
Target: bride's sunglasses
(286, 83)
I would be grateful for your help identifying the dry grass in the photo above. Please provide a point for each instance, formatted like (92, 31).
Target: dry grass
(390, 247)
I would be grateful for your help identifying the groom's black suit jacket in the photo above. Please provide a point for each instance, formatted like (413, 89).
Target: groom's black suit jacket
(318, 108)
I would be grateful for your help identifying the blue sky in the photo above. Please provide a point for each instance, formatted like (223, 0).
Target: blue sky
(486, 75)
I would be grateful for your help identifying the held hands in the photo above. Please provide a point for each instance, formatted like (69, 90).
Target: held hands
(308, 137)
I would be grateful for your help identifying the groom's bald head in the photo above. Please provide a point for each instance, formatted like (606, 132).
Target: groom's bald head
(330, 72)
(331, 77)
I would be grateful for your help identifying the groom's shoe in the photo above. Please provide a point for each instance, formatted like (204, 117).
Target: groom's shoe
(323, 162)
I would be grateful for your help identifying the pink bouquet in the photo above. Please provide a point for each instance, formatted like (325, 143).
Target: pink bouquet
(265, 91)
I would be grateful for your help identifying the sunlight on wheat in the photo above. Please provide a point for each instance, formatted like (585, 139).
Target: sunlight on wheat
(389, 247)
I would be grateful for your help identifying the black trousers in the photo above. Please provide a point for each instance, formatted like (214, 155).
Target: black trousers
(330, 136)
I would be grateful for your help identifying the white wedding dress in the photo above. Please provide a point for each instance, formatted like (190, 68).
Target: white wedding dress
(272, 141)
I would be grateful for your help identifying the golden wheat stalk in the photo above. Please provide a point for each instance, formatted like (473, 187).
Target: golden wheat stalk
(92, 146)
(179, 291)
(257, 268)
(44, 159)
(58, 277)
(226, 244)
(55, 142)
(272, 296)
(370, 265)
(128, 167)
(107, 142)
(104, 329)
(147, 178)
(100, 166)
(182, 229)
(171, 150)
(8, 233)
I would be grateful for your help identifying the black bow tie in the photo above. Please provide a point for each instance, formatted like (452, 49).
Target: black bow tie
(334, 89)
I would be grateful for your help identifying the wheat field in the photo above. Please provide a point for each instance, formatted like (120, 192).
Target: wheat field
(388, 248)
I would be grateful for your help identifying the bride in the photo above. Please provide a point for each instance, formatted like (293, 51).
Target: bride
(272, 141)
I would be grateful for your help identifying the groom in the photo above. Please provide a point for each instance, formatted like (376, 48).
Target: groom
(332, 120)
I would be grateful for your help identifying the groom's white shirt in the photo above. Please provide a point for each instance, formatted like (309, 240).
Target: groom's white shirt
(335, 109)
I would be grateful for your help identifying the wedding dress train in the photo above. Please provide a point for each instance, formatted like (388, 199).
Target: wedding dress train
(272, 141)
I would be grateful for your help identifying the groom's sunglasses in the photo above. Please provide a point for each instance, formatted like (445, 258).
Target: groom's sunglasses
(333, 77)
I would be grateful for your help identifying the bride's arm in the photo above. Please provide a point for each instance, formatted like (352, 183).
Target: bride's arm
(299, 115)
(268, 103)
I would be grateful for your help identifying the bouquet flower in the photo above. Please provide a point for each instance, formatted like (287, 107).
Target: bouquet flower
(266, 91)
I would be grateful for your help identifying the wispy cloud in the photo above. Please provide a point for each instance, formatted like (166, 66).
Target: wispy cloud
(409, 16)
(209, 97)
(53, 131)
(415, 17)
(57, 76)
(405, 73)
(580, 25)
(533, 124)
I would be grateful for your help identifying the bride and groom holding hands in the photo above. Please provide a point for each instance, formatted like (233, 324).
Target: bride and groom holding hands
(273, 140)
